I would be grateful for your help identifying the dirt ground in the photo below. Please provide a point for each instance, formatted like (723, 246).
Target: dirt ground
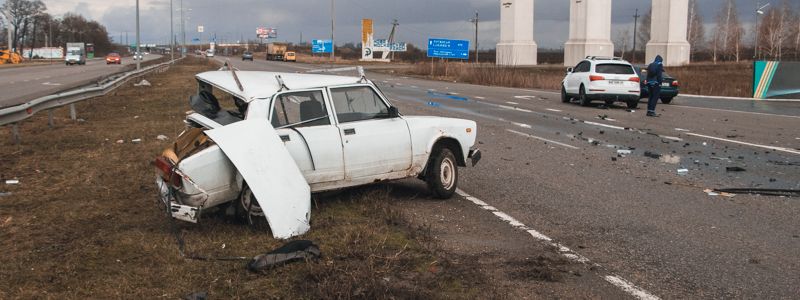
(84, 221)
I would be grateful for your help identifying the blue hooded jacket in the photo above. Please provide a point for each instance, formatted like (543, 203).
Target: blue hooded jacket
(655, 72)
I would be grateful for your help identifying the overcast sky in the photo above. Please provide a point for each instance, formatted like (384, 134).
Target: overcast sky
(419, 19)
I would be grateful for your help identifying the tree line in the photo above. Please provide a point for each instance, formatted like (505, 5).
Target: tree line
(33, 27)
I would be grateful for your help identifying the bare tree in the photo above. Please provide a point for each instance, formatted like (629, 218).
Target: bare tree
(696, 29)
(643, 32)
(776, 30)
(22, 12)
(621, 42)
(728, 33)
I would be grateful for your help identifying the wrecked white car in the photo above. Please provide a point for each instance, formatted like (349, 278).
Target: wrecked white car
(289, 135)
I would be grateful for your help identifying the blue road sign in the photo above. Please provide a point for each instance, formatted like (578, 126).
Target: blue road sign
(195, 39)
(321, 46)
(444, 48)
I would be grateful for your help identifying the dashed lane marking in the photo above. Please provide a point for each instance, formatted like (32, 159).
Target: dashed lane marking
(781, 149)
(553, 110)
(512, 103)
(542, 139)
(615, 280)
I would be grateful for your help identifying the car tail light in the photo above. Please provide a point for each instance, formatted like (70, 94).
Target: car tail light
(167, 171)
(634, 79)
(675, 83)
(596, 77)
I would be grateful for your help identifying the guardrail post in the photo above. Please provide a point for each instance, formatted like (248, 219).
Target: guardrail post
(50, 122)
(15, 133)
(72, 113)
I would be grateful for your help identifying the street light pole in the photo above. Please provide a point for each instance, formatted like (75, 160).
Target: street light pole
(138, 61)
(476, 20)
(171, 34)
(759, 11)
(333, 28)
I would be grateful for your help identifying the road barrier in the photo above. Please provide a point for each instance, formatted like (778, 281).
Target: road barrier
(14, 114)
(773, 79)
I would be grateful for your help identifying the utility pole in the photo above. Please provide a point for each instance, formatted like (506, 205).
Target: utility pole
(333, 28)
(392, 36)
(171, 34)
(8, 18)
(476, 20)
(138, 61)
(183, 32)
(635, 23)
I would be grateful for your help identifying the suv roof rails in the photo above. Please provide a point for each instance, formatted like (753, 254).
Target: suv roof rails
(603, 58)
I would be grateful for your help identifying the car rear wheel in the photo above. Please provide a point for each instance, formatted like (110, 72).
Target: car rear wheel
(442, 175)
(564, 97)
(666, 100)
(583, 97)
(247, 206)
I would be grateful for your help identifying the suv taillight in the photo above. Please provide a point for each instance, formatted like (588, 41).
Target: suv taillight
(634, 79)
(596, 77)
(167, 171)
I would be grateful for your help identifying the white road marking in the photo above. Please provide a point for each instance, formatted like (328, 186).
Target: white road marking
(604, 125)
(782, 149)
(543, 139)
(50, 83)
(617, 281)
(480, 98)
(513, 108)
(525, 97)
(737, 111)
(414, 87)
(523, 125)
(738, 98)
(512, 103)
(554, 110)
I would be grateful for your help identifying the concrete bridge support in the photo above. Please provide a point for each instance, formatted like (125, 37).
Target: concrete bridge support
(589, 31)
(668, 32)
(517, 46)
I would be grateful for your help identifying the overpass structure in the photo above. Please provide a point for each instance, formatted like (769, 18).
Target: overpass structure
(590, 32)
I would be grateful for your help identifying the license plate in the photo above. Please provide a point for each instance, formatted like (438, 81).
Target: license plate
(615, 82)
(665, 84)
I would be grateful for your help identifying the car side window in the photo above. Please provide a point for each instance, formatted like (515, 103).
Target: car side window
(302, 109)
(582, 67)
(357, 104)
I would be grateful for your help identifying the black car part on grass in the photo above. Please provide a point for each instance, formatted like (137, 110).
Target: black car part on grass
(300, 250)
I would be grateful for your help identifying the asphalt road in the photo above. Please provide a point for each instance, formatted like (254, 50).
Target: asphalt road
(555, 167)
(19, 85)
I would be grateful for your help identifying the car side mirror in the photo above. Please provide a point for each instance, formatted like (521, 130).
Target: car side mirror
(393, 112)
(569, 70)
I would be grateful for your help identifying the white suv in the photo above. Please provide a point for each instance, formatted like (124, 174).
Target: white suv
(602, 78)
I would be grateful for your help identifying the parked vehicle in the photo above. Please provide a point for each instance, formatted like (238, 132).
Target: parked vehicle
(76, 54)
(210, 53)
(290, 56)
(669, 87)
(247, 55)
(113, 58)
(294, 134)
(602, 78)
(276, 51)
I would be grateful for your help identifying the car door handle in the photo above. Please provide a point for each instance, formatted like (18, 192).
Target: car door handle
(350, 131)
(285, 138)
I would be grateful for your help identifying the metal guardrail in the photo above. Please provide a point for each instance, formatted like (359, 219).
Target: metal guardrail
(17, 113)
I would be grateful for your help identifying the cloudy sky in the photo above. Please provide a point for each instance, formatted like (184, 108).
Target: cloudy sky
(419, 19)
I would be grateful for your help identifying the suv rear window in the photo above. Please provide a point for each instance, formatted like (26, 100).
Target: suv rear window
(613, 69)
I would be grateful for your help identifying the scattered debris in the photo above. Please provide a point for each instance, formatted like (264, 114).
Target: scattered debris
(142, 83)
(162, 137)
(652, 155)
(6, 221)
(291, 252)
(5, 194)
(762, 192)
(681, 129)
(623, 152)
(710, 192)
(120, 141)
(670, 159)
(135, 117)
(12, 181)
(732, 136)
(705, 144)
(735, 169)
(136, 141)
(683, 171)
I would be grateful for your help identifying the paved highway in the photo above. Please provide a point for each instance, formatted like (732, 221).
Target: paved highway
(555, 167)
(22, 84)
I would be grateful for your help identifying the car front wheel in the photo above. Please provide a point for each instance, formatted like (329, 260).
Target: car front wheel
(564, 96)
(584, 98)
(442, 176)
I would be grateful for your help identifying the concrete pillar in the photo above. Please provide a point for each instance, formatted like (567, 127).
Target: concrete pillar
(668, 32)
(516, 47)
(589, 31)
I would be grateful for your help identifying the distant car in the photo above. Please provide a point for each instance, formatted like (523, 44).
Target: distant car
(113, 58)
(247, 55)
(264, 158)
(210, 53)
(290, 56)
(669, 87)
(609, 79)
(137, 56)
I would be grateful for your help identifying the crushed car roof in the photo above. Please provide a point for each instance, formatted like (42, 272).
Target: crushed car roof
(260, 85)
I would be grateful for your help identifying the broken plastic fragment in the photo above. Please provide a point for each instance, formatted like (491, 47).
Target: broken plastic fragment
(136, 141)
(683, 171)
(290, 252)
(162, 137)
(12, 181)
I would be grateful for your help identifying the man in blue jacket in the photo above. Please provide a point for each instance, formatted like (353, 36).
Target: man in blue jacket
(655, 75)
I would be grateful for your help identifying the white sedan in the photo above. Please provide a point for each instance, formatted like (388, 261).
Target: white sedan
(290, 135)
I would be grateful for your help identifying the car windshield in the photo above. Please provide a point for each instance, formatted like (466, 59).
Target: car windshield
(74, 52)
(614, 69)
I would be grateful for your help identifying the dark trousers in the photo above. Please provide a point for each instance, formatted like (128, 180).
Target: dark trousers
(655, 93)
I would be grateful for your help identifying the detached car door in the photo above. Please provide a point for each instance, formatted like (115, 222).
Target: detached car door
(373, 142)
(303, 121)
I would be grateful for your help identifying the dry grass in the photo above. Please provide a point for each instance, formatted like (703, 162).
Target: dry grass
(84, 222)
(724, 79)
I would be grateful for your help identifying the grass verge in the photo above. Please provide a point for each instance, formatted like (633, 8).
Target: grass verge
(84, 221)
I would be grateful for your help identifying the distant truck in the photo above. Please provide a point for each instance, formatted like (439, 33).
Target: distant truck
(276, 51)
(76, 54)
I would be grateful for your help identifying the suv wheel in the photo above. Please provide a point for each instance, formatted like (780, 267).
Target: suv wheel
(633, 103)
(564, 97)
(442, 175)
(583, 97)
